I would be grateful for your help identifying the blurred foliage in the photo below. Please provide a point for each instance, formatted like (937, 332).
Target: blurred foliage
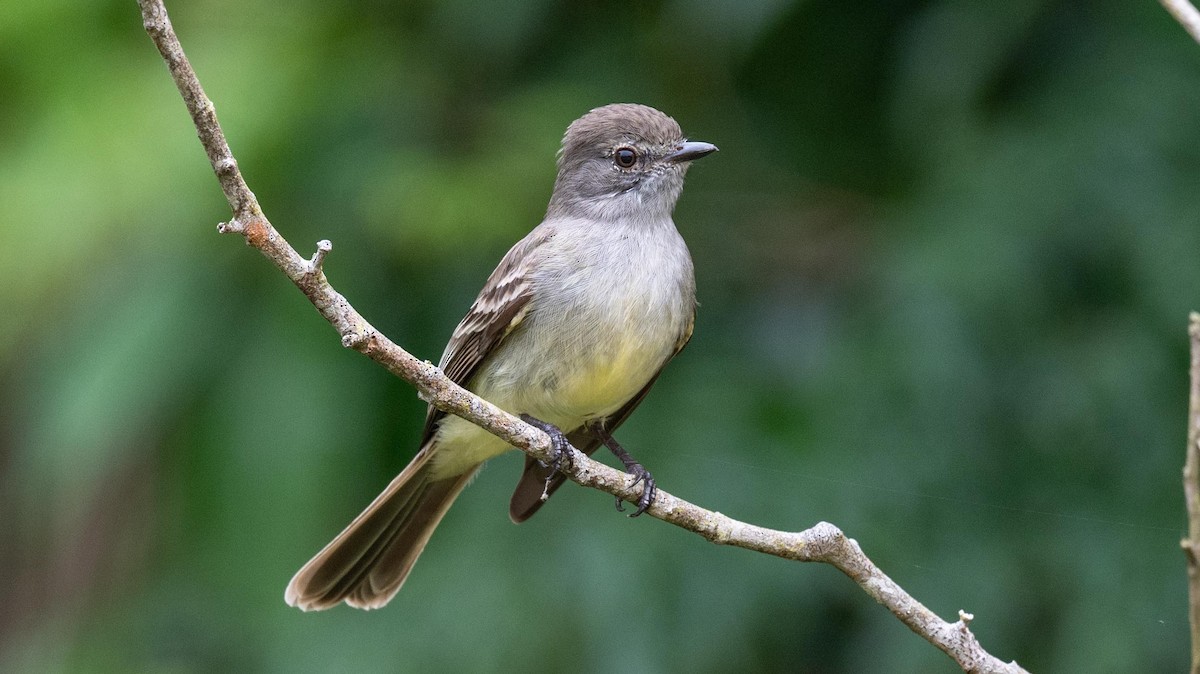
(945, 257)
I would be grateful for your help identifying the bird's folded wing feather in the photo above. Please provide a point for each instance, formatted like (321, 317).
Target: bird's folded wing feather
(499, 309)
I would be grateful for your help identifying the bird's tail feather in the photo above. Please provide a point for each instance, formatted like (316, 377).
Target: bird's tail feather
(367, 563)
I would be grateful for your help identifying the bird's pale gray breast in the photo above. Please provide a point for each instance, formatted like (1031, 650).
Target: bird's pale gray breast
(610, 306)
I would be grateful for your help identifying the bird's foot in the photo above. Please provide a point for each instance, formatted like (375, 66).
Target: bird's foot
(649, 487)
(560, 455)
(637, 470)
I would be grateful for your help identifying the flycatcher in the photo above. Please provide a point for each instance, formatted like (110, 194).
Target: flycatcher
(570, 331)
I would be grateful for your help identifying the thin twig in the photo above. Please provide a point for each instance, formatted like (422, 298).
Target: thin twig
(1191, 490)
(318, 258)
(1187, 16)
(821, 543)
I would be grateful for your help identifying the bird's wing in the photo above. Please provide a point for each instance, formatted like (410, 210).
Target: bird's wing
(499, 309)
(527, 497)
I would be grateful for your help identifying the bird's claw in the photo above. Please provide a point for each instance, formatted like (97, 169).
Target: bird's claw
(649, 488)
(560, 456)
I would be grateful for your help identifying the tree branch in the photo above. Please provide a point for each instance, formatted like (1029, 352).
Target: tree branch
(1191, 491)
(821, 543)
(1187, 16)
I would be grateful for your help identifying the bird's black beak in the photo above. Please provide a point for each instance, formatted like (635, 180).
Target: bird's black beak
(690, 150)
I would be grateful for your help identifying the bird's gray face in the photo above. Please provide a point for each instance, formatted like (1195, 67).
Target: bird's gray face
(623, 161)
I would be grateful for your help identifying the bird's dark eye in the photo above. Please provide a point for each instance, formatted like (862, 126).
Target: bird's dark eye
(625, 157)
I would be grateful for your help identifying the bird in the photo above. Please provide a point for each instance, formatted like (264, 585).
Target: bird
(570, 331)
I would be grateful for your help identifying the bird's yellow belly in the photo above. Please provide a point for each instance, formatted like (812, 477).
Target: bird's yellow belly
(591, 388)
(600, 385)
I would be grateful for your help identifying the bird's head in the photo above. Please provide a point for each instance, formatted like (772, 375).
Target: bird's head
(622, 160)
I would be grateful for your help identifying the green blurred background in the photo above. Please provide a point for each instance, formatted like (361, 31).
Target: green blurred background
(945, 258)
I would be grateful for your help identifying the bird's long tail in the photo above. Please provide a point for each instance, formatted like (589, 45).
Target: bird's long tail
(367, 563)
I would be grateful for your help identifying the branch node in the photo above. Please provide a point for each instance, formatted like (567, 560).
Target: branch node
(965, 618)
(234, 226)
(353, 340)
(225, 166)
(318, 258)
(258, 232)
(722, 532)
(829, 538)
